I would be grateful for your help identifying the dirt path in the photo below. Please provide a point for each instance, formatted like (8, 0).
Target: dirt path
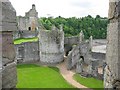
(68, 76)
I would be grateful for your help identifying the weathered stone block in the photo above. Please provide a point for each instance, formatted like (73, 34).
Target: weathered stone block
(7, 16)
(0, 78)
(112, 57)
(114, 10)
(8, 28)
(31, 52)
(8, 52)
(112, 70)
(69, 60)
(9, 76)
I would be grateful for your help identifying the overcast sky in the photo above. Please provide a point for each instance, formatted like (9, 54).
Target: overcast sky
(64, 8)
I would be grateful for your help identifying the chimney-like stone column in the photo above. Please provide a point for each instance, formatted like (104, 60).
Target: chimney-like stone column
(112, 69)
(91, 42)
(7, 56)
(81, 37)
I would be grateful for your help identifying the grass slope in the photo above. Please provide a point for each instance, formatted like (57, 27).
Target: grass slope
(33, 76)
(89, 82)
(22, 40)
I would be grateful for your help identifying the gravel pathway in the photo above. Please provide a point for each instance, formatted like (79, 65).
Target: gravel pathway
(68, 76)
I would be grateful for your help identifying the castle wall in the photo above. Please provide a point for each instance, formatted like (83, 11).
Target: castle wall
(30, 21)
(32, 12)
(112, 70)
(69, 42)
(0, 78)
(27, 52)
(99, 56)
(84, 61)
(51, 46)
(22, 23)
(73, 57)
(7, 26)
(25, 34)
(81, 50)
(28, 34)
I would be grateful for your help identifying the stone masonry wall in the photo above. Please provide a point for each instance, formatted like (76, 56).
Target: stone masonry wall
(112, 70)
(79, 51)
(25, 34)
(51, 46)
(0, 59)
(7, 26)
(73, 57)
(69, 42)
(27, 52)
(0, 78)
(30, 21)
(28, 34)
(81, 58)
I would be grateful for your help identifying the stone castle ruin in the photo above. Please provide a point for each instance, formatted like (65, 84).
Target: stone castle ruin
(49, 49)
(52, 47)
(81, 58)
(30, 21)
(28, 25)
(27, 52)
(51, 44)
(8, 24)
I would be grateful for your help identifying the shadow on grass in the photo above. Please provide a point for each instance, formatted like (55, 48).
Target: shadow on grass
(27, 66)
(54, 68)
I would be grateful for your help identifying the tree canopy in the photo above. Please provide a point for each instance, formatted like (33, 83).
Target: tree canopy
(97, 27)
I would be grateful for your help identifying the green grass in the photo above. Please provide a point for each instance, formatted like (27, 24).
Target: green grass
(89, 82)
(34, 76)
(22, 40)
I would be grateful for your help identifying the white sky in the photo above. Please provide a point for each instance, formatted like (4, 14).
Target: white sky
(64, 8)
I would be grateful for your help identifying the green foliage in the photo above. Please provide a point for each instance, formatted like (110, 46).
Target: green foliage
(34, 76)
(97, 27)
(22, 40)
(89, 82)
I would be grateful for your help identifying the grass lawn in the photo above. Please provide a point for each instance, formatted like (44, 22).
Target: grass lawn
(22, 40)
(89, 82)
(34, 76)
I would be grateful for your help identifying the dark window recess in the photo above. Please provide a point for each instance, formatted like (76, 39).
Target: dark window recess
(29, 28)
(82, 57)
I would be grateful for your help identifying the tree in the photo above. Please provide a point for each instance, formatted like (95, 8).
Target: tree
(72, 26)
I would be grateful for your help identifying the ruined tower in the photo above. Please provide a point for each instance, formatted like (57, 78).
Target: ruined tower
(112, 70)
(30, 20)
(51, 44)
